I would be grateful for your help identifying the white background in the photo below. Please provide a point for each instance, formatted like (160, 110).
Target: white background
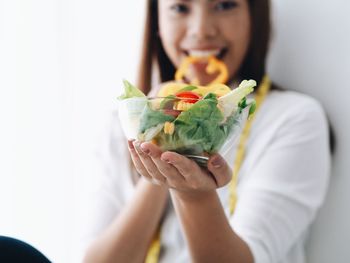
(61, 66)
(311, 54)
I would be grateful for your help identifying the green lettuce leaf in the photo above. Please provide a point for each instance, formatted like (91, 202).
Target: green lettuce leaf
(130, 91)
(150, 118)
(229, 102)
(198, 129)
(187, 88)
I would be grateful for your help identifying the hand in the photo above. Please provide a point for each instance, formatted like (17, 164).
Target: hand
(176, 171)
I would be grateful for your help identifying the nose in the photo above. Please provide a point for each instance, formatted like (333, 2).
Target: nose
(202, 25)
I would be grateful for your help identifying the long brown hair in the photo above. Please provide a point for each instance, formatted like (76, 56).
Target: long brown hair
(253, 66)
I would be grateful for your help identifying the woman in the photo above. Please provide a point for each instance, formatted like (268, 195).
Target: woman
(283, 169)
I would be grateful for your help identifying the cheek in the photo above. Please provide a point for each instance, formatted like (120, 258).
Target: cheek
(242, 41)
(239, 40)
(168, 43)
(170, 36)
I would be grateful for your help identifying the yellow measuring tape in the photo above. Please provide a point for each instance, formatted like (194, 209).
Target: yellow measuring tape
(154, 250)
(259, 98)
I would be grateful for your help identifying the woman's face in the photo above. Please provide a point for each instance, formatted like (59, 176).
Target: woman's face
(203, 28)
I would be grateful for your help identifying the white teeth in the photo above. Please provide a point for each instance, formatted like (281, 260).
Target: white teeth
(204, 53)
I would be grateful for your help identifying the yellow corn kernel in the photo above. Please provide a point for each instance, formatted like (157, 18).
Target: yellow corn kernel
(169, 128)
(179, 105)
(175, 105)
(182, 105)
(187, 105)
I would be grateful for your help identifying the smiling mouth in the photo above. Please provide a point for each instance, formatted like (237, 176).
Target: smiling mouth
(205, 54)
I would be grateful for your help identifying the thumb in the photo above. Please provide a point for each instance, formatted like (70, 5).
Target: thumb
(220, 170)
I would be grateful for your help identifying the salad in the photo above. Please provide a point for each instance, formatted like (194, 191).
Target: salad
(188, 119)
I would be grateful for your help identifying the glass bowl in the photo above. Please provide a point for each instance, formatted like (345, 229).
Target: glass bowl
(196, 128)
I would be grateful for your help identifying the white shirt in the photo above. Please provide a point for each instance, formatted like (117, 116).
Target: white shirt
(281, 184)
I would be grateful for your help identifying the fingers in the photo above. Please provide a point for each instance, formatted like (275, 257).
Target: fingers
(148, 163)
(220, 170)
(166, 169)
(186, 167)
(196, 178)
(137, 162)
(177, 171)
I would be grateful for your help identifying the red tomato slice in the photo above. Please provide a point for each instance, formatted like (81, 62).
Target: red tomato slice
(188, 96)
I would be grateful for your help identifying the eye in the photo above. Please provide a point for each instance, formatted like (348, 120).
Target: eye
(180, 8)
(226, 5)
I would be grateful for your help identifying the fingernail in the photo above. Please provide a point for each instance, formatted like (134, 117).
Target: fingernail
(217, 162)
(165, 160)
(130, 143)
(145, 150)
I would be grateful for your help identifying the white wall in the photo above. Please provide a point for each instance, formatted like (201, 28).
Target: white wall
(61, 65)
(310, 53)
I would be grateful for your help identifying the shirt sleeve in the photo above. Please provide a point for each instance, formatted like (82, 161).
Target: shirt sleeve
(103, 198)
(286, 186)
